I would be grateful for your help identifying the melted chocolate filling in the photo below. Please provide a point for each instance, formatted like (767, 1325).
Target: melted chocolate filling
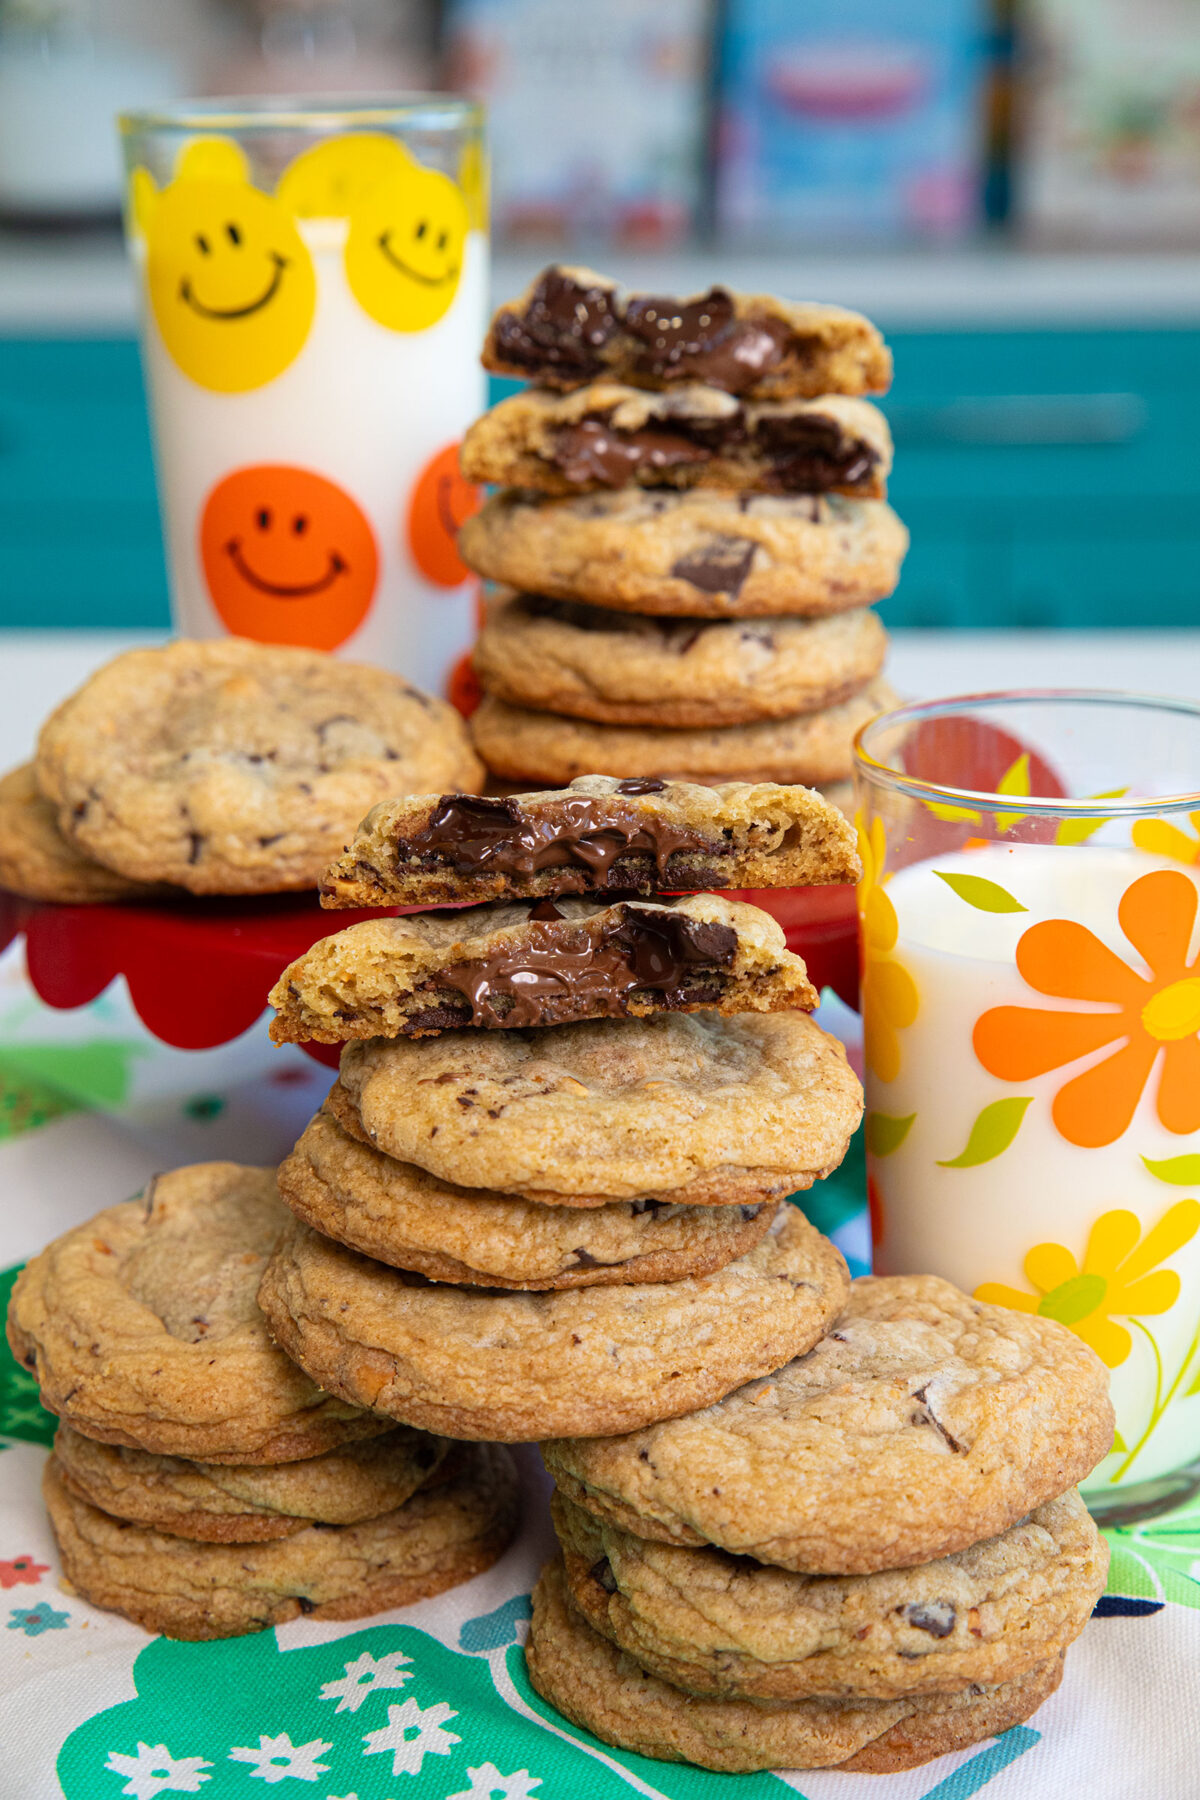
(563, 329)
(571, 332)
(703, 341)
(593, 968)
(801, 452)
(471, 835)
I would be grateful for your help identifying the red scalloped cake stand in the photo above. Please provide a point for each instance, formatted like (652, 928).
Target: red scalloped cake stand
(199, 972)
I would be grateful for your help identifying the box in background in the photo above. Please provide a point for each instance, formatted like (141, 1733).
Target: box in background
(597, 115)
(851, 121)
(1110, 126)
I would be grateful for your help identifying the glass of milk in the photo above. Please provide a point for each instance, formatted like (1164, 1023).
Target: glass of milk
(314, 277)
(1030, 930)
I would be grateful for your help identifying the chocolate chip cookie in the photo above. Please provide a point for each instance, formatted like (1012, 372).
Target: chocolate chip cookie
(572, 326)
(401, 1215)
(477, 1363)
(39, 863)
(443, 1536)
(533, 963)
(602, 1689)
(141, 1327)
(617, 668)
(223, 1504)
(695, 1107)
(607, 435)
(921, 1423)
(520, 745)
(644, 836)
(697, 554)
(721, 1625)
(230, 767)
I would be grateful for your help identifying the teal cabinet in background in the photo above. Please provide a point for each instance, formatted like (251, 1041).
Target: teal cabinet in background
(1047, 477)
(79, 531)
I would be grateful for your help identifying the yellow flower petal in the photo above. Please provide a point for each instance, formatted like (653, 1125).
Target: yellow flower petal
(1110, 1241)
(1112, 1343)
(1047, 1266)
(878, 849)
(880, 926)
(895, 991)
(996, 1294)
(1155, 1293)
(881, 1046)
(1158, 838)
(1177, 1227)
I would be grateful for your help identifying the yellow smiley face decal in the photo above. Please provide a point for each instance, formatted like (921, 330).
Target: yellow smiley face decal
(230, 281)
(335, 176)
(404, 250)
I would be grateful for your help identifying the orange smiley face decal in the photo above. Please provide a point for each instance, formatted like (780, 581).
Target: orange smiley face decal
(288, 556)
(441, 502)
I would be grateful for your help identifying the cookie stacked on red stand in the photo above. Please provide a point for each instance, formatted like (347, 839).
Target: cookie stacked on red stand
(690, 533)
(201, 1484)
(546, 1194)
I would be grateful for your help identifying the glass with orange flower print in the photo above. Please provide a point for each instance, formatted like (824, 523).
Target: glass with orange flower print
(1030, 942)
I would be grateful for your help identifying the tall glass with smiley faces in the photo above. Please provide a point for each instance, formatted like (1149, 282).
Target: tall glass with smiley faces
(314, 281)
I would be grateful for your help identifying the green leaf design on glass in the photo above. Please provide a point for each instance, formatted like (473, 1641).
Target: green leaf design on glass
(1074, 1299)
(1078, 831)
(1118, 1443)
(991, 1134)
(983, 895)
(1193, 1386)
(1179, 1171)
(886, 1133)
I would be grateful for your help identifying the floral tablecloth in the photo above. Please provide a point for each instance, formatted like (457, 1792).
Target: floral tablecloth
(431, 1703)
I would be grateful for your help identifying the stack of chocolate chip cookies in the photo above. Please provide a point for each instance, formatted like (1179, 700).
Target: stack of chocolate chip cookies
(546, 1194)
(867, 1559)
(200, 1483)
(690, 533)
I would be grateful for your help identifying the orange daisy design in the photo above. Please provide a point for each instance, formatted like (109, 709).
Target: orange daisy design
(1148, 1019)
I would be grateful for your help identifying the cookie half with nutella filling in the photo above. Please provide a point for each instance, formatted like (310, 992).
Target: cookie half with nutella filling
(572, 325)
(644, 835)
(542, 963)
(608, 435)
